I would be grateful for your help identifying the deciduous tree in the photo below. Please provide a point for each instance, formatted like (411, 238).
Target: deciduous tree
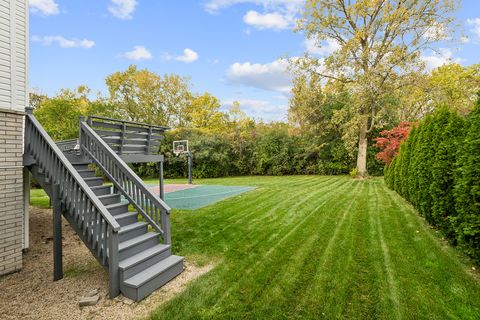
(141, 95)
(390, 140)
(379, 46)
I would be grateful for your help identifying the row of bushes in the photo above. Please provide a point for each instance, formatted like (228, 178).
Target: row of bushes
(269, 152)
(438, 170)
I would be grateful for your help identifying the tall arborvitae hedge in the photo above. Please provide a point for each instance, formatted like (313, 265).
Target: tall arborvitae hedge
(451, 133)
(466, 222)
(406, 151)
(438, 171)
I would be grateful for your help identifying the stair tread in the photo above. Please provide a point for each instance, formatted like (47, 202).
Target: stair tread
(100, 187)
(85, 170)
(126, 214)
(148, 274)
(132, 226)
(142, 256)
(80, 163)
(131, 242)
(116, 205)
(93, 178)
(111, 195)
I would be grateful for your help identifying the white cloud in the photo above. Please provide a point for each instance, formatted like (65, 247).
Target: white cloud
(437, 59)
(214, 6)
(122, 9)
(138, 53)
(45, 7)
(188, 56)
(263, 109)
(272, 76)
(323, 49)
(64, 42)
(475, 23)
(273, 20)
(277, 15)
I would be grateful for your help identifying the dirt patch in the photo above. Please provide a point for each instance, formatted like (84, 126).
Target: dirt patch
(32, 294)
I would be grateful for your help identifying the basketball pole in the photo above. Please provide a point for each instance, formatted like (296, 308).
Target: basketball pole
(161, 182)
(190, 165)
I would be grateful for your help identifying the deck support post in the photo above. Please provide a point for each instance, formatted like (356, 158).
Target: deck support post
(113, 273)
(57, 233)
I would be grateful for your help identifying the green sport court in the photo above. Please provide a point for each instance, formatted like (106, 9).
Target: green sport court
(190, 197)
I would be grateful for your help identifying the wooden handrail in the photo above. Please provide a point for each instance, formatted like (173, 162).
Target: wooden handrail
(130, 122)
(76, 176)
(150, 206)
(88, 216)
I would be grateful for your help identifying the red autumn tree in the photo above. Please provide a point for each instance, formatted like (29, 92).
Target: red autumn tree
(390, 140)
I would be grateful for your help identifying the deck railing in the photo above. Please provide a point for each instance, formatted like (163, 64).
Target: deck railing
(128, 137)
(98, 227)
(154, 210)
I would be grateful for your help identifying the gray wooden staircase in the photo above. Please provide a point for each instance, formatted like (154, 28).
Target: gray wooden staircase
(133, 246)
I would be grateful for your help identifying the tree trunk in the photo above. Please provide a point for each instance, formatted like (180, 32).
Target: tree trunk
(362, 150)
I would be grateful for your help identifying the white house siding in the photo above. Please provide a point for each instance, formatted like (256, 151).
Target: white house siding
(13, 100)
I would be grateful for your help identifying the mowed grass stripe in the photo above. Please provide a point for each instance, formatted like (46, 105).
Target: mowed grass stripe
(240, 229)
(273, 205)
(320, 258)
(250, 256)
(293, 275)
(393, 295)
(361, 281)
(279, 212)
(252, 264)
(432, 279)
(304, 264)
(324, 284)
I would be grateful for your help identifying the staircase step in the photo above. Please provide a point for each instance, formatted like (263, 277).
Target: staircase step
(110, 198)
(132, 230)
(143, 260)
(138, 244)
(94, 181)
(117, 208)
(80, 165)
(86, 173)
(101, 190)
(152, 278)
(126, 218)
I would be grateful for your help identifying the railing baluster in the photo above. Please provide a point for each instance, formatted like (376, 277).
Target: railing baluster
(79, 203)
(150, 206)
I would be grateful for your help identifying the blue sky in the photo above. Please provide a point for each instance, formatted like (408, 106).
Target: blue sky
(230, 48)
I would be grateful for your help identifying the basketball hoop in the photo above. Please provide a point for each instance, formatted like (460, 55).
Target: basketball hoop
(180, 146)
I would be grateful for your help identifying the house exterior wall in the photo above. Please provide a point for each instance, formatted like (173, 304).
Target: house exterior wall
(13, 100)
(11, 191)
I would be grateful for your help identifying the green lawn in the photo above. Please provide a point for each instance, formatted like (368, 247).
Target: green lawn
(311, 247)
(39, 198)
(318, 247)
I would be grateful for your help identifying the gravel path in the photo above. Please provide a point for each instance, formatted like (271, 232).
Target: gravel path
(31, 293)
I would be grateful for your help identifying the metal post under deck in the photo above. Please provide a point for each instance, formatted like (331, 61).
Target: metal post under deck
(161, 182)
(190, 166)
(57, 233)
